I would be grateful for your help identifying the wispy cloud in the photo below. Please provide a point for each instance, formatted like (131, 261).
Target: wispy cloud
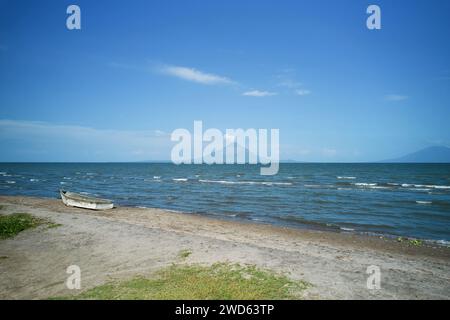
(286, 79)
(194, 75)
(289, 83)
(395, 97)
(302, 92)
(42, 141)
(257, 93)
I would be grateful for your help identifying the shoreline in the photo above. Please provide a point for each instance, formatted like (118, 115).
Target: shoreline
(127, 241)
(368, 238)
(306, 226)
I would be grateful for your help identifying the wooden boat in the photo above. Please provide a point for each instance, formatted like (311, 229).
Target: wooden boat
(73, 199)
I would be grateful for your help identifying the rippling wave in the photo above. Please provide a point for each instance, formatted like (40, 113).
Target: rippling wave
(411, 200)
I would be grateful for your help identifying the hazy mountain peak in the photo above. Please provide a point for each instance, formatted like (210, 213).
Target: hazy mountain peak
(435, 154)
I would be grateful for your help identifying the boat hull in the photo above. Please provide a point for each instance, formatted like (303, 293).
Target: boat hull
(79, 201)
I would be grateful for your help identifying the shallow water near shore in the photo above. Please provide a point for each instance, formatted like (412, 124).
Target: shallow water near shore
(411, 200)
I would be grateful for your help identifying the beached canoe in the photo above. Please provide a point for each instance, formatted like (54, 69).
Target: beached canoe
(72, 199)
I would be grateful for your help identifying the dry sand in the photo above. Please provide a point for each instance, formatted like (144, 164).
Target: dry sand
(125, 242)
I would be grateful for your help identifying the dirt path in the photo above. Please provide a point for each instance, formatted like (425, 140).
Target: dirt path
(125, 242)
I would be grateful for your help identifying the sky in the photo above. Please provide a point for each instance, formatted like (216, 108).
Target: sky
(136, 71)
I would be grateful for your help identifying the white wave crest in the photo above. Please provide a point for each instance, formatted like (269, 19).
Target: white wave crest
(433, 186)
(438, 187)
(267, 183)
(364, 184)
(406, 185)
(443, 242)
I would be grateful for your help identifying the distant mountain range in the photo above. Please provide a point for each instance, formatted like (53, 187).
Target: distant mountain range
(427, 155)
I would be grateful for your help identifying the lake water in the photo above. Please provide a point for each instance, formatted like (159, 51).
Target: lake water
(410, 200)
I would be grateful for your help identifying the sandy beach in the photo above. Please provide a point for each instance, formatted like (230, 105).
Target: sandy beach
(125, 242)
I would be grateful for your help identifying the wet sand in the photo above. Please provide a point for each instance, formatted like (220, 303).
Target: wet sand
(125, 242)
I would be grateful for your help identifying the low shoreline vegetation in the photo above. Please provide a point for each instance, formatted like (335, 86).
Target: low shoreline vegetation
(13, 224)
(183, 254)
(222, 281)
(412, 242)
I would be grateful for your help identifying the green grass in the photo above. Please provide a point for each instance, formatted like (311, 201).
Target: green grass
(184, 253)
(11, 225)
(412, 242)
(52, 225)
(220, 281)
(416, 242)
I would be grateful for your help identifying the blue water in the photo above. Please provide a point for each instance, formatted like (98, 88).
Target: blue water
(411, 200)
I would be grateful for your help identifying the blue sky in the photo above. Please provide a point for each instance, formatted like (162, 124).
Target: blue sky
(136, 71)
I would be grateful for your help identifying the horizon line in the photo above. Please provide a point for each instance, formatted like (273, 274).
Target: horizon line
(170, 162)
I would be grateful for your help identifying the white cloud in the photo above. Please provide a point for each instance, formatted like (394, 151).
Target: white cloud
(194, 75)
(257, 93)
(302, 92)
(287, 79)
(42, 141)
(289, 83)
(395, 97)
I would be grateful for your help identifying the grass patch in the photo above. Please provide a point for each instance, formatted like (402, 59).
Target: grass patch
(411, 242)
(184, 253)
(52, 225)
(194, 282)
(11, 225)
(416, 242)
